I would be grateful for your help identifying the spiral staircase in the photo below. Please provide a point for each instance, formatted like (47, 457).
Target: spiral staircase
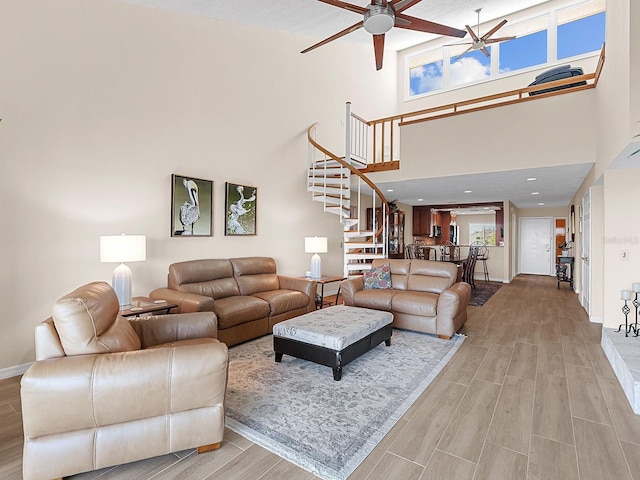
(340, 184)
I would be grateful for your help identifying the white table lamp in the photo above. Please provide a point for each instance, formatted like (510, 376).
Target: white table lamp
(123, 248)
(315, 245)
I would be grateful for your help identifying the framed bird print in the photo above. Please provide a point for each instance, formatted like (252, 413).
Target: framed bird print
(240, 207)
(191, 207)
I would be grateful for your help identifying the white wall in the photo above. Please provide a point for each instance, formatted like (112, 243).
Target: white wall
(620, 233)
(102, 101)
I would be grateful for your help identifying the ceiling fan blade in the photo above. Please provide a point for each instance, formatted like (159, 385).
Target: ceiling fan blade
(485, 51)
(456, 44)
(401, 5)
(426, 26)
(344, 32)
(494, 29)
(346, 6)
(500, 39)
(472, 33)
(466, 51)
(378, 48)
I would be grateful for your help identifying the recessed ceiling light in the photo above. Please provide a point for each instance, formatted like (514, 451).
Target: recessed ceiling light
(467, 191)
(389, 189)
(535, 193)
(531, 179)
(421, 199)
(540, 203)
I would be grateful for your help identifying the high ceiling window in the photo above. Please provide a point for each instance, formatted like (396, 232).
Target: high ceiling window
(559, 35)
(468, 68)
(580, 29)
(426, 72)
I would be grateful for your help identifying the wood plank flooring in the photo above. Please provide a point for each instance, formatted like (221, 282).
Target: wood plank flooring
(528, 396)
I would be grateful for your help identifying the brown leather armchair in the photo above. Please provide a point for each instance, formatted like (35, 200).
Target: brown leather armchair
(105, 390)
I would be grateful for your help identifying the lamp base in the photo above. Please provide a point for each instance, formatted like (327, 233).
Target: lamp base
(316, 266)
(121, 283)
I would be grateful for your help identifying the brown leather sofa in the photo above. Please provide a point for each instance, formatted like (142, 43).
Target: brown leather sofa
(105, 390)
(246, 294)
(424, 297)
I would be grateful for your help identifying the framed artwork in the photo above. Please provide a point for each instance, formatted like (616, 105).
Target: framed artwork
(572, 224)
(191, 207)
(240, 209)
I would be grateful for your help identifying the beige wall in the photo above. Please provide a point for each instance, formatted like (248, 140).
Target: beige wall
(620, 233)
(102, 101)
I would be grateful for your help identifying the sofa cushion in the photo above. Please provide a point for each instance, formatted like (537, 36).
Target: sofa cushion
(87, 322)
(255, 274)
(378, 278)
(282, 301)
(431, 276)
(375, 299)
(232, 311)
(415, 303)
(210, 277)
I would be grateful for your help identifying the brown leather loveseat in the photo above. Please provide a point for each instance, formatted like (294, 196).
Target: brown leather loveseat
(246, 294)
(424, 296)
(106, 390)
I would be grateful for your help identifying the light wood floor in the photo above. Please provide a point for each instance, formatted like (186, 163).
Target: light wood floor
(529, 395)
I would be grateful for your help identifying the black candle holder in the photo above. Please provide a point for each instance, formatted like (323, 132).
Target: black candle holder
(636, 303)
(627, 327)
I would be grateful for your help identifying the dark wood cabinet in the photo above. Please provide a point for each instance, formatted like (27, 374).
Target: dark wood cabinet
(421, 221)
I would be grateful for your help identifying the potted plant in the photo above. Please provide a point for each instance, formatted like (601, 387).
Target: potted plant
(564, 248)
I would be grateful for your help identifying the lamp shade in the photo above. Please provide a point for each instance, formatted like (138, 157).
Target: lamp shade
(315, 244)
(123, 248)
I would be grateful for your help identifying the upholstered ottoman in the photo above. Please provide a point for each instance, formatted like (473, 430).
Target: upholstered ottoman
(332, 336)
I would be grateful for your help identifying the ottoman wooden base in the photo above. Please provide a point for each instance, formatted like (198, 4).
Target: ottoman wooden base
(336, 359)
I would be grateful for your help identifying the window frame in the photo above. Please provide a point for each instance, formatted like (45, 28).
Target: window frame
(552, 48)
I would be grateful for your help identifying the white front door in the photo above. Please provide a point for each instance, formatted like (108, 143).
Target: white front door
(585, 293)
(535, 245)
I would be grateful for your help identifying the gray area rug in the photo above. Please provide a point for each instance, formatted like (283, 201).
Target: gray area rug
(296, 410)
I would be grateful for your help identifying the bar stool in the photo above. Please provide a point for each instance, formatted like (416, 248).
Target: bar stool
(483, 255)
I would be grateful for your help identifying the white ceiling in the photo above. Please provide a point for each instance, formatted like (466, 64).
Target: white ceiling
(556, 185)
(319, 20)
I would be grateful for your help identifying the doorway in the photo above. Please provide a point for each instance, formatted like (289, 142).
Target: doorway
(535, 245)
(584, 223)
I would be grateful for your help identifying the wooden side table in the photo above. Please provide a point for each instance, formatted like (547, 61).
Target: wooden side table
(144, 305)
(322, 281)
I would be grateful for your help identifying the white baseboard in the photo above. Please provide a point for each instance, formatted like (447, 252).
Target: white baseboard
(13, 371)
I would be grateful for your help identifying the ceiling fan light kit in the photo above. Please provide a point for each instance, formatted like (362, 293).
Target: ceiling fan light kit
(379, 19)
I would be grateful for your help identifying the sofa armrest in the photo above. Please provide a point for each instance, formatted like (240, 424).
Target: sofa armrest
(187, 302)
(81, 392)
(349, 288)
(452, 302)
(156, 330)
(308, 287)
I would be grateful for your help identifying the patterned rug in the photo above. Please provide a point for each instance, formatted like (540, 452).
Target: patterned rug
(296, 410)
(482, 293)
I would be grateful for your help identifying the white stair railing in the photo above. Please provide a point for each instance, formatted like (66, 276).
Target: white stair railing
(333, 180)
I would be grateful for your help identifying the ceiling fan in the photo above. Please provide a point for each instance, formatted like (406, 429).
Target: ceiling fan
(380, 17)
(481, 42)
